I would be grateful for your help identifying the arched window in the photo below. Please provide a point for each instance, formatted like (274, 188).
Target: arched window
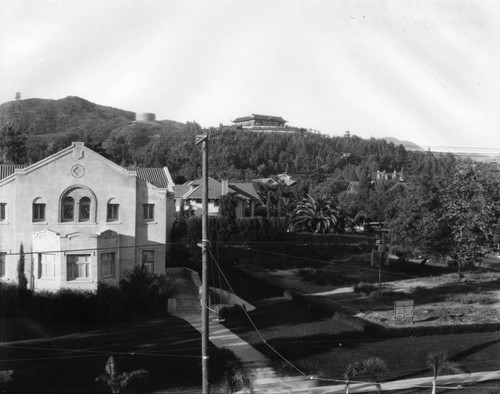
(84, 210)
(68, 209)
(78, 204)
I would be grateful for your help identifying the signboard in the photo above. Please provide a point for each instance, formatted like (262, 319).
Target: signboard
(403, 310)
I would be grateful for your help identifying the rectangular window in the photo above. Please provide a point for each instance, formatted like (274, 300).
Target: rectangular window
(149, 212)
(3, 207)
(78, 266)
(46, 265)
(108, 265)
(38, 212)
(148, 260)
(2, 264)
(112, 215)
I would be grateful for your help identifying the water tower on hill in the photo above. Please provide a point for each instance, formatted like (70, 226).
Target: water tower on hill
(145, 117)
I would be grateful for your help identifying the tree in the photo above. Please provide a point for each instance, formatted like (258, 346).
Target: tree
(319, 216)
(22, 282)
(367, 367)
(18, 96)
(415, 225)
(118, 382)
(12, 145)
(439, 363)
(278, 198)
(469, 211)
(227, 207)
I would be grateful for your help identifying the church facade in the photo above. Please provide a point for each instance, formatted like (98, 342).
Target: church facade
(82, 219)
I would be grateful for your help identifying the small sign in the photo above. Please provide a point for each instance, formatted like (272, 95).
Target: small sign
(403, 310)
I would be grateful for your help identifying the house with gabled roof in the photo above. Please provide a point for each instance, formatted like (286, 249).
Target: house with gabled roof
(189, 196)
(83, 219)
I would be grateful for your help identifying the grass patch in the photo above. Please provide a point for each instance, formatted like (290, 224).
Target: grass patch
(323, 277)
(471, 298)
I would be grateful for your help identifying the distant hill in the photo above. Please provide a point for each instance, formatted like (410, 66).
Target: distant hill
(407, 144)
(52, 125)
(47, 119)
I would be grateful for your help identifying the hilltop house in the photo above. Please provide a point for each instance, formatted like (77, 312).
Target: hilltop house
(189, 195)
(255, 120)
(388, 176)
(83, 219)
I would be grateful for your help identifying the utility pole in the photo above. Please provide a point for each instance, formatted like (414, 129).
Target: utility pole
(380, 252)
(203, 139)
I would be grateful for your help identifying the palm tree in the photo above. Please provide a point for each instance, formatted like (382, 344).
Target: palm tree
(319, 216)
(366, 367)
(118, 382)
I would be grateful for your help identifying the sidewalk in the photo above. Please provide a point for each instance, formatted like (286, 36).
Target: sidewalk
(265, 379)
(424, 384)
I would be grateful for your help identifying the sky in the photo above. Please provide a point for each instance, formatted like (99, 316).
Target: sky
(426, 71)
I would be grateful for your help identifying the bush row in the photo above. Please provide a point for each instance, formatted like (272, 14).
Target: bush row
(222, 229)
(140, 293)
(260, 229)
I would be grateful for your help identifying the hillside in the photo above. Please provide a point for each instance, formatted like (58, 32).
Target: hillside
(51, 125)
(49, 119)
(407, 144)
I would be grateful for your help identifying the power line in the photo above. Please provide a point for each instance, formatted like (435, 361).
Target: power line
(253, 323)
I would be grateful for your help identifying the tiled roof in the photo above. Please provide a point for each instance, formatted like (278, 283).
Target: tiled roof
(245, 189)
(180, 190)
(214, 189)
(259, 117)
(155, 176)
(194, 190)
(8, 169)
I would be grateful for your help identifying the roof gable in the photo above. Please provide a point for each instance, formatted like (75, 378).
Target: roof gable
(158, 177)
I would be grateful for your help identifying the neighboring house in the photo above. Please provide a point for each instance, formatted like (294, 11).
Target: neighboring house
(191, 194)
(255, 120)
(83, 219)
(388, 176)
(286, 179)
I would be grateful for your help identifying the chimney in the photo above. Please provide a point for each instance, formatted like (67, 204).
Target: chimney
(225, 187)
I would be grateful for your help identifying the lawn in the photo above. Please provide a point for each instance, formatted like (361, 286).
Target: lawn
(437, 297)
(320, 345)
(168, 348)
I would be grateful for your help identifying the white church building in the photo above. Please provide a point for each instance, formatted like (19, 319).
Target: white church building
(83, 219)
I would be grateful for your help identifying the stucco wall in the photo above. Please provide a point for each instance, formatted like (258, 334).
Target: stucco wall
(81, 167)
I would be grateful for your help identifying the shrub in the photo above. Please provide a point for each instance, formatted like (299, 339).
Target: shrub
(9, 299)
(227, 312)
(364, 287)
(144, 291)
(228, 372)
(66, 306)
(110, 303)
